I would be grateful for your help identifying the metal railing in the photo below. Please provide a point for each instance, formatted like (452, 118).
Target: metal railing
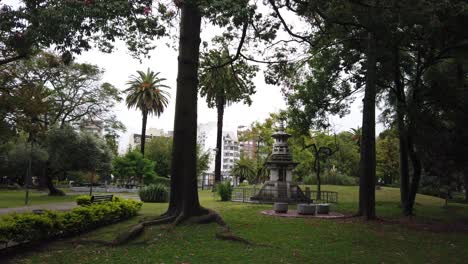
(244, 194)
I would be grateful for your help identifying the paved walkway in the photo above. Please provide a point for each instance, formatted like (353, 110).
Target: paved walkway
(62, 206)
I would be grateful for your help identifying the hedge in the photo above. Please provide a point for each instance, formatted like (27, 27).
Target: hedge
(34, 227)
(154, 193)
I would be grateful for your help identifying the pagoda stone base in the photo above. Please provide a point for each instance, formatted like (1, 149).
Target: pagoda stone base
(277, 191)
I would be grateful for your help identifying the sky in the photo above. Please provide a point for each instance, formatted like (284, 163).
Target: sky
(119, 66)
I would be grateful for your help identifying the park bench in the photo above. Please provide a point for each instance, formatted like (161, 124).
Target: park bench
(101, 198)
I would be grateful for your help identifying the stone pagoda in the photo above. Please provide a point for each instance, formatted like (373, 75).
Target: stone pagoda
(280, 187)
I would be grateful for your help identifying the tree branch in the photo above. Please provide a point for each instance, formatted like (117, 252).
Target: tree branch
(239, 48)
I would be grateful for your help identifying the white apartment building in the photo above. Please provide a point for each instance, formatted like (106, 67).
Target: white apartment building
(206, 138)
(95, 127)
(135, 139)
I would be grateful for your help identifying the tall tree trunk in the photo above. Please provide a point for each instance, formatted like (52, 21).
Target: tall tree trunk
(219, 142)
(417, 168)
(184, 194)
(319, 182)
(367, 177)
(47, 180)
(465, 182)
(143, 131)
(400, 99)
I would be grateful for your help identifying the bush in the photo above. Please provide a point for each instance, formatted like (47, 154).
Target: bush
(33, 227)
(337, 179)
(309, 180)
(224, 190)
(161, 180)
(154, 193)
(83, 200)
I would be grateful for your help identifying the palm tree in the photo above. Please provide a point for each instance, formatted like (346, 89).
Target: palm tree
(244, 168)
(146, 94)
(356, 134)
(222, 86)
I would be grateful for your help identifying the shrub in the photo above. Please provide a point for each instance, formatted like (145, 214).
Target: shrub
(154, 193)
(33, 227)
(224, 190)
(337, 179)
(83, 200)
(161, 180)
(309, 180)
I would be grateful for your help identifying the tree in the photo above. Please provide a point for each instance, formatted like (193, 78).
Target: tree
(159, 150)
(78, 152)
(146, 93)
(203, 161)
(70, 93)
(222, 86)
(133, 167)
(74, 27)
(42, 93)
(387, 156)
(245, 169)
(18, 154)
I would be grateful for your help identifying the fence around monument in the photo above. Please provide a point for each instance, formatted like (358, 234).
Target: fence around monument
(243, 194)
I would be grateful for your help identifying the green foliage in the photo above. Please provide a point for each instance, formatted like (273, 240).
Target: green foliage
(331, 178)
(84, 152)
(245, 169)
(78, 26)
(133, 167)
(203, 161)
(387, 151)
(162, 181)
(83, 200)
(345, 161)
(45, 89)
(228, 84)
(146, 93)
(34, 227)
(159, 150)
(224, 190)
(17, 154)
(154, 193)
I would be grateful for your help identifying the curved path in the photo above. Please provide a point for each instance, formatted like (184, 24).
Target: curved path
(59, 206)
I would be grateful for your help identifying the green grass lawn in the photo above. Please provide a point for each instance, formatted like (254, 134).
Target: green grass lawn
(282, 240)
(15, 198)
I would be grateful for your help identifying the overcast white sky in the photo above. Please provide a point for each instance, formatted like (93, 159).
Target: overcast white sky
(120, 65)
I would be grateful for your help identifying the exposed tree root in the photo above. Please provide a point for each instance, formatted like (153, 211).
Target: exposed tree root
(133, 233)
(209, 217)
(230, 237)
(159, 221)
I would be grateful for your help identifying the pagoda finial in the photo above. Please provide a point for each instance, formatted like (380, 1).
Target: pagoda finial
(281, 125)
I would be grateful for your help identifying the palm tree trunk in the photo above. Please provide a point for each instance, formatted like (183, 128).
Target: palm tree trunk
(367, 177)
(184, 194)
(402, 134)
(143, 132)
(219, 138)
